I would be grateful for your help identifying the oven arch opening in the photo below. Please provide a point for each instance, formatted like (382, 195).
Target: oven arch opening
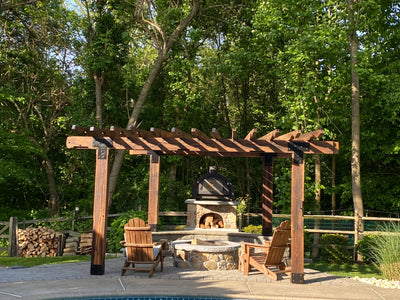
(211, 221)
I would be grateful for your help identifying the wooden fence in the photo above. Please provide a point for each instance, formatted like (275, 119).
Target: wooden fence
(312, 225)
(12, 236)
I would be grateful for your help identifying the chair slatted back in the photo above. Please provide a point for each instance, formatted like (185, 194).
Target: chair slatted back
(279, 243)
(138, 238)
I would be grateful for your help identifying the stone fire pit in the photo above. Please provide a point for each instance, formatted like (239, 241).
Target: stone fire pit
(206, 255)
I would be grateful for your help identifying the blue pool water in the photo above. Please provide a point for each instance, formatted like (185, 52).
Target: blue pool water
(151, 298)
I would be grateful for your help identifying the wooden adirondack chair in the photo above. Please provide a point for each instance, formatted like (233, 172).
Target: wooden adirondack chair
(270, 261)
(141, 252)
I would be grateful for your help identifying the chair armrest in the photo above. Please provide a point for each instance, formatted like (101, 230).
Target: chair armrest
(122, 243)
(161, 243)
(251, 245)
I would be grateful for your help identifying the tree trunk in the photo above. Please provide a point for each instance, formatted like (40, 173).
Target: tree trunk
(119, 155)
(225, 104)
(162, 56)
(355, 125)
(333, 198)
(54, 205)
(99, 80)
(315, 250)
(172, 182)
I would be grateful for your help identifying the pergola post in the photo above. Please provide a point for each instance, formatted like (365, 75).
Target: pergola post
(267, 194)
(158, 142)
(297, 223)
(154, 190)
(100, 207)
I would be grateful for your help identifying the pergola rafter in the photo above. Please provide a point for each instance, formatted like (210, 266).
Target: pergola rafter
(177, 142)
(158, 142)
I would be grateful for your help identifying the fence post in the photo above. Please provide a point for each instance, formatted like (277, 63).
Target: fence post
(13, 238)
(74, 218)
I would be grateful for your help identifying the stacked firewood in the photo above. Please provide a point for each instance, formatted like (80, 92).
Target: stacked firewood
(85, 244)
(71, 243)
(211, 222)
(40, 241)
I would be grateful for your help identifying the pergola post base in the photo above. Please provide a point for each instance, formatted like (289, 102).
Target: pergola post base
(297, 278)
(97, 269)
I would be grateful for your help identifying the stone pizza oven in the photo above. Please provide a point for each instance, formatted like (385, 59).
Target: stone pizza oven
(212, 205)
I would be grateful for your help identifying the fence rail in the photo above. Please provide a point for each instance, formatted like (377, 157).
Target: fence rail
(310, 221)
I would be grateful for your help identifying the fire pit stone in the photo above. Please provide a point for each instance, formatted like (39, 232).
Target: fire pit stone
(206, 255)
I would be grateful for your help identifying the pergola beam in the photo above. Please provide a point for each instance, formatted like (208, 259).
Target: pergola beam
(196, 133)
(234, 134)
(310, 136)
(288, 136)
(251, 135)
(215, 133)
(180, 133)
(270, 136)
(202, 147)
(157, 142)
(161, 133)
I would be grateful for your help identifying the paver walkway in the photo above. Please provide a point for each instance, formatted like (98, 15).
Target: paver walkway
(74, 279)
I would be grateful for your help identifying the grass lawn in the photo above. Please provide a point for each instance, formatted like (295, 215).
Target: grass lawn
(35, 261)
(346, 270)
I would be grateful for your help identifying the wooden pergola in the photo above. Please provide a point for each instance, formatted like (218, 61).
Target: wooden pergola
(157, 142)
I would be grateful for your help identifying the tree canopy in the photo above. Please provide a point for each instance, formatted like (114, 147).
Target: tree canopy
(195, 64)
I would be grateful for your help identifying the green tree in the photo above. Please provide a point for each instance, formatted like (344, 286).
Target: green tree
(35, 67)
(164, 23)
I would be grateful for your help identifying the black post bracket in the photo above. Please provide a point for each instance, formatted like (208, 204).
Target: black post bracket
(102, 144)
(154, 156)
(298, 148)
(268, 159)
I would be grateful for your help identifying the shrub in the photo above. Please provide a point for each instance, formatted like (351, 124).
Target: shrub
(3, 244)
(386, 251)
(253, 229)
(334, 248)
(364, 247)
(308, 242)
(117, 229)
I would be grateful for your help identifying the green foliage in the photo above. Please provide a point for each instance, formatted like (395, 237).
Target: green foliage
(335, 248)
(346, 269)
(36, 261)
(386, 251)
(116, 234)
(255, 64)
(243, 203)
(242, 208)
(308, 242)
(365, 246)
(253, 229)
(3, 244)
(81, 225)
(32, 101)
